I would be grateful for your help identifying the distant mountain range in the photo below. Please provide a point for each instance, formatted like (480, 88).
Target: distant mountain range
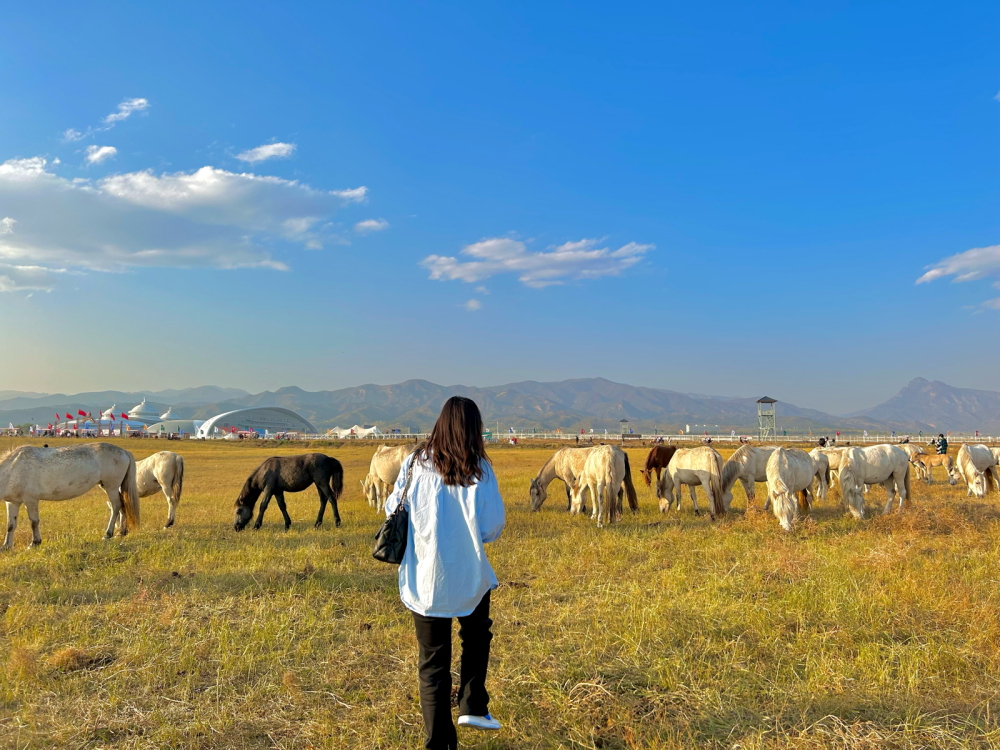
(569, 404)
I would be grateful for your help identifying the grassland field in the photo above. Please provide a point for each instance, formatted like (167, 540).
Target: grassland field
(664, 631)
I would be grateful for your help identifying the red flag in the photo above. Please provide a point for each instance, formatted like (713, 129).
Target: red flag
(68, 415)
(81, 412)
(57, 416)
(124, 415)
(50, 425)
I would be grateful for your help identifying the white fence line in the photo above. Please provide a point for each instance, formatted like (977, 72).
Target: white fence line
(674, 439)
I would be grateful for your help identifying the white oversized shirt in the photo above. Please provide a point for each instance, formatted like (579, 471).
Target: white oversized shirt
(445, 572)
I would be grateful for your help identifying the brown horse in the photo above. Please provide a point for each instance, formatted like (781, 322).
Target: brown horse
(658, 458)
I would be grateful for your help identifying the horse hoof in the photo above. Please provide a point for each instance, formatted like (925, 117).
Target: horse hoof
(338, 523)
(35, 544)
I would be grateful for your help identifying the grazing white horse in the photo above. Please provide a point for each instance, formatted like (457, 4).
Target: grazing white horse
(749, 466)
(790, 472)
(29, 475)
(163, 471)
(383, 472)
(603, 473)
(821, 462)
(693, 467)
(568, 465)
(565, 464)
(978, 467)
(877, 464)
(833, 458)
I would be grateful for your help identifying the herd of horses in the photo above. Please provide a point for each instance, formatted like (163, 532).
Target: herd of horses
(794, 478)
(30, 474)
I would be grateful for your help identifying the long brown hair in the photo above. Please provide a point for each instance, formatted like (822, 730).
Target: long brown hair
(456, 443)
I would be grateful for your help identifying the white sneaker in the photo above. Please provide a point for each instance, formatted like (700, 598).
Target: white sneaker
(479, 722)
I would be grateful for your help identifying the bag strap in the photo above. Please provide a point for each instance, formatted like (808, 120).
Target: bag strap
(409, 477)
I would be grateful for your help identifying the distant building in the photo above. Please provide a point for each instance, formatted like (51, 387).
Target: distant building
(260, 419)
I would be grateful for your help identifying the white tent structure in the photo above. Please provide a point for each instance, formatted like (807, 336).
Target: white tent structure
(355, 432)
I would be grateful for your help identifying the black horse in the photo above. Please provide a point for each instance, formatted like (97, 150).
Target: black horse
(281, 474)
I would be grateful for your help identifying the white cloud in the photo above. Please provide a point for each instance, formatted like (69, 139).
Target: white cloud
(267, 151)
(72, 135)
(371, 225)
(472, 305)
(571, 260)
(972, 265)
(208, 218)
(482, 290)
(968, 266)
(7, 225)
(97, 154)
(125, 109)
(354, 195)
(27, 278)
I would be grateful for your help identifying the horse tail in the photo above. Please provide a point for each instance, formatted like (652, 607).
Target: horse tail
(336, 479)
(715, 482)
(906, 486)
(803, 501)
(633, 499)
(129, 491)
(178, 484)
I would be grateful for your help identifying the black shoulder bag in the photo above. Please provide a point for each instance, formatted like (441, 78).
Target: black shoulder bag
(390, 539)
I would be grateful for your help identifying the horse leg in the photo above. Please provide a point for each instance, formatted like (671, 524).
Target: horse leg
(710, 499)
(333, 503)
(117, 517)
(890, 487)
(750, 488)
(12, 510)
(694, 500)
(171, 505)
(569, 498)
(323, 500)
(32, 507)
(263, 507)
(599, 503)
(280, 497)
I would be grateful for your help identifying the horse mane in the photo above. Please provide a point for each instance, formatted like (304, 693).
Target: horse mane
(731, 469)
(548, 462)
(11, 451)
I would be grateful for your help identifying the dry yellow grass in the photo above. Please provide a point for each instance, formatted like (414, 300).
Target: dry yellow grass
(661, 632)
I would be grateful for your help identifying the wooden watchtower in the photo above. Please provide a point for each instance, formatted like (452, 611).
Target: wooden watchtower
(765, 417)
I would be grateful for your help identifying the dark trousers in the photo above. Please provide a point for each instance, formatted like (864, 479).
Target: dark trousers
(434, 670)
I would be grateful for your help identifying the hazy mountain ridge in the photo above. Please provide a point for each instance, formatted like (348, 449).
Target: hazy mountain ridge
(938, 406)
(570, 404)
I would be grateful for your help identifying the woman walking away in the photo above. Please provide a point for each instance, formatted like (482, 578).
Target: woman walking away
(454, 509)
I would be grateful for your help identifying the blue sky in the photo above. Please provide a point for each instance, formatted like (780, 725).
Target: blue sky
(731, 199)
